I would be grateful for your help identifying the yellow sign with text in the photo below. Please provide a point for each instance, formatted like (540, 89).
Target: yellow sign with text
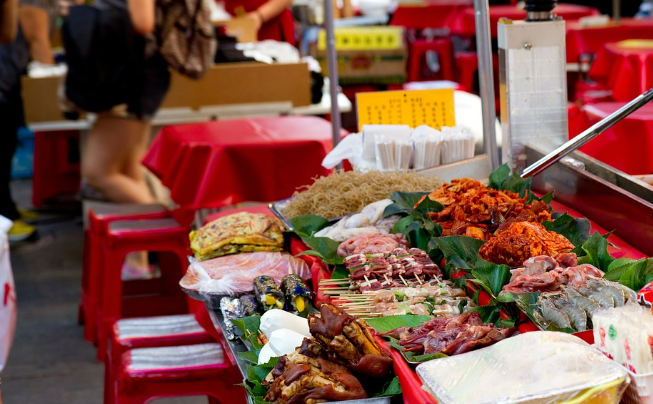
(434, 108)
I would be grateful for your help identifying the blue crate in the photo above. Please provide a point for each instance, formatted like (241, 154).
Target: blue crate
(22, 165)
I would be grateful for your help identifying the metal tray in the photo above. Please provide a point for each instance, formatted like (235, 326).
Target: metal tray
(276, 208)
(237, 346)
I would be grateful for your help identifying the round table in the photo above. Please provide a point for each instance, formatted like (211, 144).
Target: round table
(581, 40)
(568, 12)
(221, 163)
(627, 146)
(625, 68)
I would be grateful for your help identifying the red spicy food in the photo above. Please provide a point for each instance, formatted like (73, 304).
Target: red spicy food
(548, 274)
(386, 270)
(521, 241)
(372, 244)
(474, 210)
(450, 335)
(300, 379)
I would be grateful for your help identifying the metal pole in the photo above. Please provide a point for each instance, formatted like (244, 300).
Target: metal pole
(332, 67)
(484, 51)
(580, 140)
(616, 11)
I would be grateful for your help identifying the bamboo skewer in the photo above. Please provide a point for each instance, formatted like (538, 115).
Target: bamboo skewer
(403, 280)
(418, 279)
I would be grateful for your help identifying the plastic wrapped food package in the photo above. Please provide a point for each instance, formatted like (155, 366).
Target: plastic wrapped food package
(625, 334)
(537, 367)
(233, 274)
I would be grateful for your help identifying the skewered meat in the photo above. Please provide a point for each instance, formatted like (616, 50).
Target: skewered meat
(350, 340)
(300, 379)
(372, 244)
(398, 264)
(521, 241)
(474, 210)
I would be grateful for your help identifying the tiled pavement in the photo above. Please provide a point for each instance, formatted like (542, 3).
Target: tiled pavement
(50, 362)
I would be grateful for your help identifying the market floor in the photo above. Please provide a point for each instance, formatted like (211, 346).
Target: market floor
(50, 362)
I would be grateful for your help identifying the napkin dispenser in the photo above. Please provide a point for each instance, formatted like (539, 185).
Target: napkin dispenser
(533, 82)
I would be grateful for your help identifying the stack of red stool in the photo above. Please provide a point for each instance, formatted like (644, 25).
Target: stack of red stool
(99, 215)
(56, 165)
(202, 369)
(420, 49)
(165, 236)
(161, 331)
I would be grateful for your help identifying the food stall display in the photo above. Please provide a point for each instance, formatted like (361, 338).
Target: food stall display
(456, 268)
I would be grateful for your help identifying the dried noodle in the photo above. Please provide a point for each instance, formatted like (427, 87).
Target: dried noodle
(342, 193)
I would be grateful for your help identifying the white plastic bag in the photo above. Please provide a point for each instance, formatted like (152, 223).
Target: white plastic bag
(7, 295)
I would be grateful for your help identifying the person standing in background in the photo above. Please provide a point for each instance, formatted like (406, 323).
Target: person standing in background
(272, 18)
(36, 23)
(8, 20)
(115, 146)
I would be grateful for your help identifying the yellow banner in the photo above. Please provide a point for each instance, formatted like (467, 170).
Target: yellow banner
(434, 108)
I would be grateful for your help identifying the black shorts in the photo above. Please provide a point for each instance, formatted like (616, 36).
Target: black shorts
(156, 82)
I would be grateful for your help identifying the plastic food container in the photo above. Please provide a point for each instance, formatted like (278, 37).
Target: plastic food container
(640, 389)
(538, 368)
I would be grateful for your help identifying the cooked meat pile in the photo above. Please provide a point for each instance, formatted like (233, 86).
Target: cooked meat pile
(521, 241)
(474, 210)
(300, 379)
(372, 244)
(450, 335)
(548, 273)
(344, 339)
(386, 270)
(323, 368)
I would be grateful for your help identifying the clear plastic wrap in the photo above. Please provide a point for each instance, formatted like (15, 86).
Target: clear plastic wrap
(537, 367)
(233, 274)
(625, 335)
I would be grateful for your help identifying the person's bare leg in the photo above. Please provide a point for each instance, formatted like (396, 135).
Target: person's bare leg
(113, 145)
(110, 145)
(133, 169)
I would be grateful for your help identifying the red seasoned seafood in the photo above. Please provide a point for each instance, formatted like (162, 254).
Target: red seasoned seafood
(474, 210)
(521, 241)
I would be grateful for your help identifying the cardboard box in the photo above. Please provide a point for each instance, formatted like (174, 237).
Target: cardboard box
(243, 29)
(229, 83)
(242, 83)
(368, 66)
(41, 99)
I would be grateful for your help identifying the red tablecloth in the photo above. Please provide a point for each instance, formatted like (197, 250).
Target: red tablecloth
(568, 12)
(222, 163)
(628, 145)
(625, 67)
(433, 15)
(591, 39)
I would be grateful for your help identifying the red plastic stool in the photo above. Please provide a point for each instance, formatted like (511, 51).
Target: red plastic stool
(149, 332)
(98, 216)
(123, 237)
(466, 66)
(56, 165)
(148, 373)
(418, 65)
